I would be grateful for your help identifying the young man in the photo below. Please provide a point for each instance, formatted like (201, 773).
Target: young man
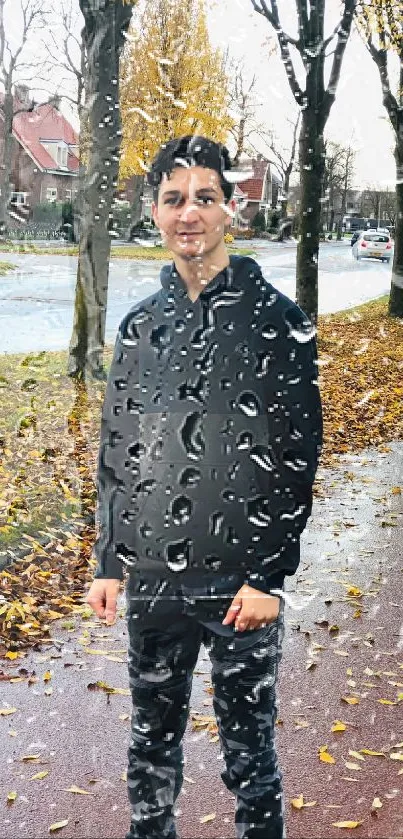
(211, 433)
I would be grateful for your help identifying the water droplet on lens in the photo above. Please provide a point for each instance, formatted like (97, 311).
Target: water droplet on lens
(244, 440)
(191, 434)
(212, 563)
(269, 332)
(161, 338)
(177, 554)
(261, 455)
(181, 509)
(248, 403)
(258, 511)
(190, 477)
(215, 523)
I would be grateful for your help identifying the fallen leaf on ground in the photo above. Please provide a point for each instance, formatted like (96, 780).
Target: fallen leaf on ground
(40, 775)
(298, 803)
(78, 791)
(209, 818)
(4, 712)
(338, 726)
(350, 825)
(376, 805)
(58, 825)
(325, 756)
(351, 700)
(357, 755)
(355, 766)
(372, 752)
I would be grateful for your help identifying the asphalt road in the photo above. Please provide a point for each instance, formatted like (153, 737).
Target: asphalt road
(39, 294)
(80, 737)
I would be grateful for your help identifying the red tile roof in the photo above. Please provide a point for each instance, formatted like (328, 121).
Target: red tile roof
(45, 123)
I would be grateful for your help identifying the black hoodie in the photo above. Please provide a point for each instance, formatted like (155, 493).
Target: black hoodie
(210, 435)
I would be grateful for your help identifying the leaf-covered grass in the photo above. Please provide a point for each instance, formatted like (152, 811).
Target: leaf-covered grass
(123, 252)
(5, 267)
(49, 447)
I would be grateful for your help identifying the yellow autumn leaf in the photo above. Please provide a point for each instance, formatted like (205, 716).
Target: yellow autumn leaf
(78, 790)
(325, 757)
(357, 755)
(351, 700)
(30, 757)
(354, 591)
(47, 676)
(386, 702)
(11, 796)
(349, 825)
(396, 491)
(58, 825)
(372, 752)
(40, 775)
(209, 818)
(396, 756)
(354, 766)
(12, 656)
(376, 804)
(338, 726)
(4, 712)
(299, 803)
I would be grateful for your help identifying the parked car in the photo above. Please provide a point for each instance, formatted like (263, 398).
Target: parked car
(146, 237)
(373, 244)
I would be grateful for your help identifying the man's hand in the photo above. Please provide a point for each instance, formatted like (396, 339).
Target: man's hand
(252, 609)
(102, 598)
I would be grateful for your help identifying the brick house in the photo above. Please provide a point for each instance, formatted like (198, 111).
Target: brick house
(258, 192)
(45, 157)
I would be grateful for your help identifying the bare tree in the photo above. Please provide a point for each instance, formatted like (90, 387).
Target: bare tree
(66, 52)
(285, 163)
(105, 25)
(315, 103)
(381, 23)
(12, 66)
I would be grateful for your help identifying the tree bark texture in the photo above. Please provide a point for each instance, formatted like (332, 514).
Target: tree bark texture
(312, 167)
(396, 290)
(106, 22)
(7, 161)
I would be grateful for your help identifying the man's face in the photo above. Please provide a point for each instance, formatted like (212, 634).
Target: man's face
(191, 212)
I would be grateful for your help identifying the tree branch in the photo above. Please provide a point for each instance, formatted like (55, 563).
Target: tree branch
(284, 41)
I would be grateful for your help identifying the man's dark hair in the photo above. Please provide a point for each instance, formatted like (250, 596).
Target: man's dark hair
(191, 150)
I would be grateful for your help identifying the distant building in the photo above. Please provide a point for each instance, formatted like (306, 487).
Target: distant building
(45, 158)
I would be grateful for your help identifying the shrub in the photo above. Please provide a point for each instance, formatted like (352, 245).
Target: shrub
(259, 221)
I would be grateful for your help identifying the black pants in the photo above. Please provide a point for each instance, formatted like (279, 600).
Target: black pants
(164, 644)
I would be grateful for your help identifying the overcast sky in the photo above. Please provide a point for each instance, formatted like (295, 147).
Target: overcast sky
(357, 116)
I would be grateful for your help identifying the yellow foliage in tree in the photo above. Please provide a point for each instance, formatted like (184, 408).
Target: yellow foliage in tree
(383, 18)
(172, 82)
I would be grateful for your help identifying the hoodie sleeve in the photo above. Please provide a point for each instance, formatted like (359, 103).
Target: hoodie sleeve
(296, 431)
(113, 474)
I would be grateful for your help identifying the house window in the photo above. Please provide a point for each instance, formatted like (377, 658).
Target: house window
(68, 194)
(18, 197)
(62, 156)
(51, 193)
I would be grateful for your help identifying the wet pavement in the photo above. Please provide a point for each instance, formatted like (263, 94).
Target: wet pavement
(40, 292)
(344, 641)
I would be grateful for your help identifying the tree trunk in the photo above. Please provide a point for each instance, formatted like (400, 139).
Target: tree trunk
(7, 162)
(136, 205)
(105, 25)
(396, 290)
(312, 167)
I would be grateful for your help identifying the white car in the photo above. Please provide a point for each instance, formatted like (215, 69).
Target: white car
(373, 244)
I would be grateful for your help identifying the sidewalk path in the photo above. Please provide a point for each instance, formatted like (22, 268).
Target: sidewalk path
(351, 577)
